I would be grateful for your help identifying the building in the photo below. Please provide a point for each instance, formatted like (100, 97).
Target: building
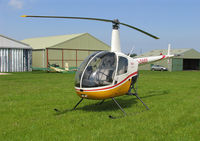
(189, 59)
(71, 49)
(15, 56)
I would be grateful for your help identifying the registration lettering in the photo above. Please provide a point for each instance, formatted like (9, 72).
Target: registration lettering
(144, 60)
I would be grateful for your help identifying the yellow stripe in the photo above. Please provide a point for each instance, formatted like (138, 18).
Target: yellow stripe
(118, 91)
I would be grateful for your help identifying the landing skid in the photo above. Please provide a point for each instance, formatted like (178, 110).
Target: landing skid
(71, 109)
(124, 113)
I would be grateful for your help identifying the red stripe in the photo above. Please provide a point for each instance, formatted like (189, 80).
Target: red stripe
(162, 57)
(114, 85)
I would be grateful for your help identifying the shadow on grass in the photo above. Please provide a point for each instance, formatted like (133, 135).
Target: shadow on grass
(109, 105)
(156, 93)
(58, 112)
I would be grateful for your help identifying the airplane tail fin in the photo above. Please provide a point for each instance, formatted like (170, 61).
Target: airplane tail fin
(169, 49)
(169, 52)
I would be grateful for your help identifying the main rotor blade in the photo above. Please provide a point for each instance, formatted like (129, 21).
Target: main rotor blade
(62, 17)
(95, 19)
(140, 30)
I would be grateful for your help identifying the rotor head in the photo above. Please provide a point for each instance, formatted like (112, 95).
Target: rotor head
(115, 24)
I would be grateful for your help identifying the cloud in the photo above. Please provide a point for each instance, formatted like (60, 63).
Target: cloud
(16, 3)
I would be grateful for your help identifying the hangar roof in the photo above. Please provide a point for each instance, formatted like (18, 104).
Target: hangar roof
(164, 52)
(6, 42)
(185, 53)
(53, 41)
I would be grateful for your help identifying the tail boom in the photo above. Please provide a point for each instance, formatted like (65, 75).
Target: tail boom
(146, 60)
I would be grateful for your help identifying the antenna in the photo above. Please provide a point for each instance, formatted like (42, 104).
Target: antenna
(131, 51)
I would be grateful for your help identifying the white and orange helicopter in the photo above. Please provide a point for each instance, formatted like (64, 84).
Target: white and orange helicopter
(109, 74)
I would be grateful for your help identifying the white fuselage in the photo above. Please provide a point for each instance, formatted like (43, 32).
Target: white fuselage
(109, 73)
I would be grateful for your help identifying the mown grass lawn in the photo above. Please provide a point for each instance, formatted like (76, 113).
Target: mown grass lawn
(27, 101)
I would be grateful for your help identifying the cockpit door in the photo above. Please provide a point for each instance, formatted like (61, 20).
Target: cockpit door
(122, 69)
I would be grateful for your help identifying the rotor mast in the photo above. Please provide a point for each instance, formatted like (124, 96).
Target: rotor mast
(115, 39)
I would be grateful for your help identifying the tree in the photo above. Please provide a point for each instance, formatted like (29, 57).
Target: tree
(133, 55)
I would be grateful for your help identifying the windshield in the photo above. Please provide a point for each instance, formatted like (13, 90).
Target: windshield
(100, 70)
(81, 68)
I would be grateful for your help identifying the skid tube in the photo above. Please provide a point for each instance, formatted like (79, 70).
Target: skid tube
(110, 116)
(71, 109)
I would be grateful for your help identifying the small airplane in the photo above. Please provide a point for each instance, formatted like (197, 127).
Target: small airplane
(109, 74)
(56, 68)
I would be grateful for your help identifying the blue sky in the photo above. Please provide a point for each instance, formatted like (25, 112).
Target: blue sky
(174, 21)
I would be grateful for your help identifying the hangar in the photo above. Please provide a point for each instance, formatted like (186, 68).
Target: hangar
(71, 49)
(15, 56)
(189, 60)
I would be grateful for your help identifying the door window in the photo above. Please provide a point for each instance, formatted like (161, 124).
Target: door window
(122, 65)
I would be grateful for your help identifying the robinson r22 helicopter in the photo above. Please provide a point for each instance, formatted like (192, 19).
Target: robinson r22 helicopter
(108, 74)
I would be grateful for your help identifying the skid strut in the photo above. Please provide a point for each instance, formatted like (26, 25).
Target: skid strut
(101, 102)
(77, 104)
(119, 106)
(141, 101)
(132, 87)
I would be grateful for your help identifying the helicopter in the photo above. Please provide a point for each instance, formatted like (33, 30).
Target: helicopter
(109, 74)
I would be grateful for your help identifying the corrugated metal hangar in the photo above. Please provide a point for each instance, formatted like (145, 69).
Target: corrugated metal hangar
(189, 59)
(15, 56)
(71, 49)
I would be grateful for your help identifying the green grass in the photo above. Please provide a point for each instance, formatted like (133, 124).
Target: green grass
(27, 101)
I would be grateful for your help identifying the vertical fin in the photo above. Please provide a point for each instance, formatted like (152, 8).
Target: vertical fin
(169, 49)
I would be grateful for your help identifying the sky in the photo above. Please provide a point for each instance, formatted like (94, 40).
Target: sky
(175, 21)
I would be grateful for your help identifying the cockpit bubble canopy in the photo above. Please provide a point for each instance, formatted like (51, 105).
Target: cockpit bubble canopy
(97, 70)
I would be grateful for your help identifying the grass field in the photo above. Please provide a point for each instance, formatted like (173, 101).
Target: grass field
(27, 101)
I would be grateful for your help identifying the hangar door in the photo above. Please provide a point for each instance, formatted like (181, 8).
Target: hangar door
(177, 64)
(191, 64)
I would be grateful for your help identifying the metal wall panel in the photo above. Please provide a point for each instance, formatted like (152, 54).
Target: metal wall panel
(38, 59)
(15, 60)
(177, 64)
(4, 60)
